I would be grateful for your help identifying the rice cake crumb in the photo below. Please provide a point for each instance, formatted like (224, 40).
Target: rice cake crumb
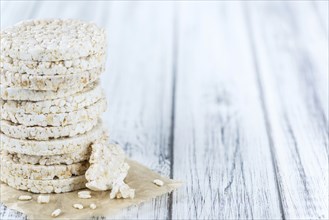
(43, 199)
(158, 182)
(24, 198)
(84, 194)
(93, 206)
(78, 206)
(56, 213)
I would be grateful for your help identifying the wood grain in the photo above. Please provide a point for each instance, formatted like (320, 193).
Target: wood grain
(221, 147)
(289, 74)
(138, 87)
(229, 97)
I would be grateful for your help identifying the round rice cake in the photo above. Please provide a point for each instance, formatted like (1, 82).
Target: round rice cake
(51, 147)
(40, 172)
(18, 94)
(57, 119)
(46, 82)
(44, 186)
(52, 40)
(77, 156)
(51, 68)
(89, 95)
(46, 133)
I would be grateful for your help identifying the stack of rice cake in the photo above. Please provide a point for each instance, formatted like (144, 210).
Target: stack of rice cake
(51, 102)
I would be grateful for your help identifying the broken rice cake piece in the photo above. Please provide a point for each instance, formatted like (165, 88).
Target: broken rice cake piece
(108, 170)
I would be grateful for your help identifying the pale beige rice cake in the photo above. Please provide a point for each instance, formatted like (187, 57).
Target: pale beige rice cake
(108, 169)
(46, 133)
(52, 40)
(44, 186)
(51, 147)
(89, 95)
(78, 155)
(52, 83)
(18, 94)
(58, 119)
(51, 68)
(41, 172)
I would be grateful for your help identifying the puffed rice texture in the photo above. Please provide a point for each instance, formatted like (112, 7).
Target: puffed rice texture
(46, 133)
(58, 119)
(19, 94)
(51, 68)
(52, 40)
(52, 83)
(89, 95)
(44, 186)
(39, 172)
(51, 147)
(78, 155)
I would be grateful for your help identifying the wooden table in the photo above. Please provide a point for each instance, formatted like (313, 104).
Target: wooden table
(229, 97)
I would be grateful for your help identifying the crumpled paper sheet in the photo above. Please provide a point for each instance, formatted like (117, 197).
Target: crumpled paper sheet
(139, 178)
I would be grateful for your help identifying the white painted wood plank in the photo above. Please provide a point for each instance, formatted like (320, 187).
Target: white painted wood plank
(221, 148)
(220, 139)
(137, 81)
(138, 87)
(312, 49)
(294, 98)
(15, 11)
(322, 10)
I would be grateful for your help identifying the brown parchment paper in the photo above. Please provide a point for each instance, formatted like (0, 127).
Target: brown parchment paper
(139, 178)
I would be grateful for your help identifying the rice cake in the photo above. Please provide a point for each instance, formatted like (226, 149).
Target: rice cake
(51, 147)
(52, 40)
(46, 133)
(89, 95)
(51, 68)
(40, 172)
(19, 94)
(53, 83)
(44, 186)
(108, 169)
(77, 156)
(58, 119)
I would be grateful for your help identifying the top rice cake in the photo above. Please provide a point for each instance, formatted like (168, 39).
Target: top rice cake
(52, 40)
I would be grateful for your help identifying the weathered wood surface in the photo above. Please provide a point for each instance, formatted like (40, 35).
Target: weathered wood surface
(219, 125)
(230, 97)
(292, 66)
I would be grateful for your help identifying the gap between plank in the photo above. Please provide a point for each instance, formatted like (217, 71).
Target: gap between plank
(263, 107)
(173, 102)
